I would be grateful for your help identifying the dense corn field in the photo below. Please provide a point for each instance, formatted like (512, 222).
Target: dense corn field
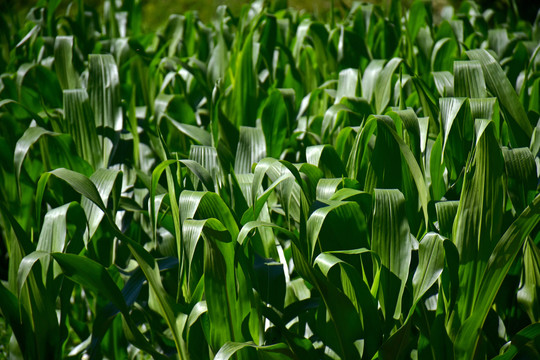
(271, 184)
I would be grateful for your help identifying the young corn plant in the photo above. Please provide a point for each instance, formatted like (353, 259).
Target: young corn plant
(271, 184)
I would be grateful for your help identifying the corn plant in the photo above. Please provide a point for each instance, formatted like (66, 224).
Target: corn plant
(271, 184)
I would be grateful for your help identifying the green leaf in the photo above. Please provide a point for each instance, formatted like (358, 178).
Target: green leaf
(227, 306)
(196, 133)
(487, 108)
(334, 119)
(519, 341)
(191, 233)
(363, 198)
(104, 95)
(156, 174)
(450, 108)
(245, 86)
(383, 85)
(279, 351)
(219, 60)
(63, 63)
(206, 205)
(174, 107)
(79, 123)
(18, 320)
(519, 164)
(356, 163)
(80, 184)
(292, 194)
(436, 170)
(443, 53)
(91, 275)
(385, 150)
(95, 277)
(326, 159)
(275, 122)
(207, 156)
(469, 79)
(338, 226)
(251, 149)
(105, 181)
(54, 237)
(414, 169)
(345, 327)
(457, 130)
(85, 187)
(446, 216)
(390, 239)
(26, 265)
(498, 41)
(430, 264)
(327, 187)
(499, 85)
(201, 173)
(409, 122)
(30, 136)
(428, 102)
(498, 265)
(444, 82)
(357, 290)
(529, 293)
(521, 171)
(243, 235)
(22, 239)
(348, 84)
(155, 199)
(369, 78)
(394, 347)
(255, 210)
(104, 90)
(479, 216)
(419, 17)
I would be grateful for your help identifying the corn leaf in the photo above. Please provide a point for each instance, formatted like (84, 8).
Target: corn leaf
(390, 239)
(499, 85)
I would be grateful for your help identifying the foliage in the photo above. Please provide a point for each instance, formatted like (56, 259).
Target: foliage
(270, 185)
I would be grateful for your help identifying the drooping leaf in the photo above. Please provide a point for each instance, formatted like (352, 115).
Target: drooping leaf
(430, 264)
(446, 216)
(63, 64)
(383, 85)
(469, 80)
(104, 96)
(325, 158)
(105, 181)
(482, 201)
(390, 239)
(444, 81)
(499, 85)
(251, 149)
(348, 84)
(339, 226)
(79, 123)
